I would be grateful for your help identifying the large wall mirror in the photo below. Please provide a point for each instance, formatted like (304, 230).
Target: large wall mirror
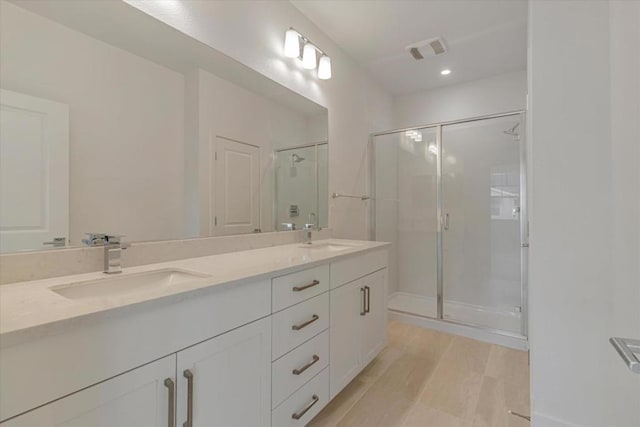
(112, 121)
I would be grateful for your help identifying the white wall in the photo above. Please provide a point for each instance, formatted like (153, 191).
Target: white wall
(126, 136)
(225, 109)
(584, 281)
(253, 33)
(497, 94)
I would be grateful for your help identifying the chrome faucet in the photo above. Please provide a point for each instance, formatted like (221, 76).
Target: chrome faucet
(307, 236)
(112, 250)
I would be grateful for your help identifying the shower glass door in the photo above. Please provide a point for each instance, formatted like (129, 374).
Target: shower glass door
(405, 212)
(481, 226)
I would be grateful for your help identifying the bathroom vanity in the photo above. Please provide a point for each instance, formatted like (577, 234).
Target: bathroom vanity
(265, 337)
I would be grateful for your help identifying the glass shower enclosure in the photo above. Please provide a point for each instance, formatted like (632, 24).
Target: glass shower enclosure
(451, 198)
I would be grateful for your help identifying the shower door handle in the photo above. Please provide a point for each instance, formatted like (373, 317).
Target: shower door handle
(445, 221)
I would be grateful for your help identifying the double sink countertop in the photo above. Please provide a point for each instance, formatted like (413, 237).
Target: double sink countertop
(29, 310)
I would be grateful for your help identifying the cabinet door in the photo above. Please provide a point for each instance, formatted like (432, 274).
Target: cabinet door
(374, 334)
(347, 311)
(137, 398)
(230, 379)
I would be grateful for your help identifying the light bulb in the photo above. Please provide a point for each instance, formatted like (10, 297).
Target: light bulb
(309, 56)
(291, 44)
(324, 68)
(445, 72)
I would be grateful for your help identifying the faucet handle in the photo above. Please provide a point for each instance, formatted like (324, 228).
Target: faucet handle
(100, 239)
(95, 239)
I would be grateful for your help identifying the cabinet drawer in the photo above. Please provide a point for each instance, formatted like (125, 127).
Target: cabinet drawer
(297, 324)
(299, 286)
(295, 368)
(304, 404)
(355, 267)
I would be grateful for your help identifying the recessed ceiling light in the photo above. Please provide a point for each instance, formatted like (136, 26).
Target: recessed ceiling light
(445, 72)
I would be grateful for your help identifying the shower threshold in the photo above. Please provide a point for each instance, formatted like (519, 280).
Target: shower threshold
(473, 321)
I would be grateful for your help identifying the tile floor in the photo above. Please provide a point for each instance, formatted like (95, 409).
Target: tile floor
(427, 378)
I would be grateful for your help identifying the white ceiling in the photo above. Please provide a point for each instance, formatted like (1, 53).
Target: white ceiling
(484, 37)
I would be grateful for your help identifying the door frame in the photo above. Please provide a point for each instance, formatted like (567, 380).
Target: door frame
(524, 219)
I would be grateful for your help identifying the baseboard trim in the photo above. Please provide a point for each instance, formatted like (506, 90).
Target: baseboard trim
(542, 420)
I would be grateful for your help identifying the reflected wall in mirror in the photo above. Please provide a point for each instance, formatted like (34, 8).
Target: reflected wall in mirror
(114, 122)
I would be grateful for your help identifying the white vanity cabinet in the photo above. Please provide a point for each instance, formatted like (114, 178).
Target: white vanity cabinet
(358, 316)
(270, 351)
(226, 381)
(142, 397)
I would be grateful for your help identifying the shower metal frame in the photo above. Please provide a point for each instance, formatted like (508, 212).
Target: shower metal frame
(524, 219)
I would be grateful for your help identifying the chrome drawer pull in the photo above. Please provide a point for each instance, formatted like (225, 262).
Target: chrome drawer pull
(302, 288)
(189, 376)
(168, 383)
(307, 366)
(298, 415)
(305, 324)
(367, 307)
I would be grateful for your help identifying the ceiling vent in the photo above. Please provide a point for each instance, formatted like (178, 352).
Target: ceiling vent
(431, 47)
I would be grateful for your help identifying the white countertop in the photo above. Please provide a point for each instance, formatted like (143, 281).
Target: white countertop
(31, 309)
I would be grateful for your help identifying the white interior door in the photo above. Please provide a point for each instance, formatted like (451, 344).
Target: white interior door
(236, 188)
(34, 171)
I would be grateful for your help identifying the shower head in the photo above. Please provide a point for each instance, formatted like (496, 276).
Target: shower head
(513, 131)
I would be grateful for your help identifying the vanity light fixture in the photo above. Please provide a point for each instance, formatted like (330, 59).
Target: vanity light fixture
(308, 54)
(324, 68)
(291, 44)
(445, 72)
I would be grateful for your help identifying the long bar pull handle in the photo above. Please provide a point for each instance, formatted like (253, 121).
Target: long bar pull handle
(298, 371)
(627, 348)
(298, 415)
(367, 307)
(171, 420)
(305, 324)
(302, 288)
(364, 304)
(189, 376)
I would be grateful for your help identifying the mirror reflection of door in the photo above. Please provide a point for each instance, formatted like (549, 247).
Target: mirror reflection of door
(236, 200)
(34, 172)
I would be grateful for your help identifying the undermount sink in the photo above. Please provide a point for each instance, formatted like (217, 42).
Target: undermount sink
(126, 284)
(329, 246)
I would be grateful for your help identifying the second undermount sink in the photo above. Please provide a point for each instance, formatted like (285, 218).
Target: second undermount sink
(328, 246)
(127, 284)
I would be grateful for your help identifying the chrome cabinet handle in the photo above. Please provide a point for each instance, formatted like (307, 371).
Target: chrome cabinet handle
(367, 307)
(171, 420)
(305, 324)
(189, 376)
(302, 288)
(298, 415)
(626, 348)
(298, 371)
(364, 304)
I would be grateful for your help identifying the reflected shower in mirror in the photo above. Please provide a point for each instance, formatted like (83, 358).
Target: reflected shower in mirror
(115, 122)
(301, 187)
